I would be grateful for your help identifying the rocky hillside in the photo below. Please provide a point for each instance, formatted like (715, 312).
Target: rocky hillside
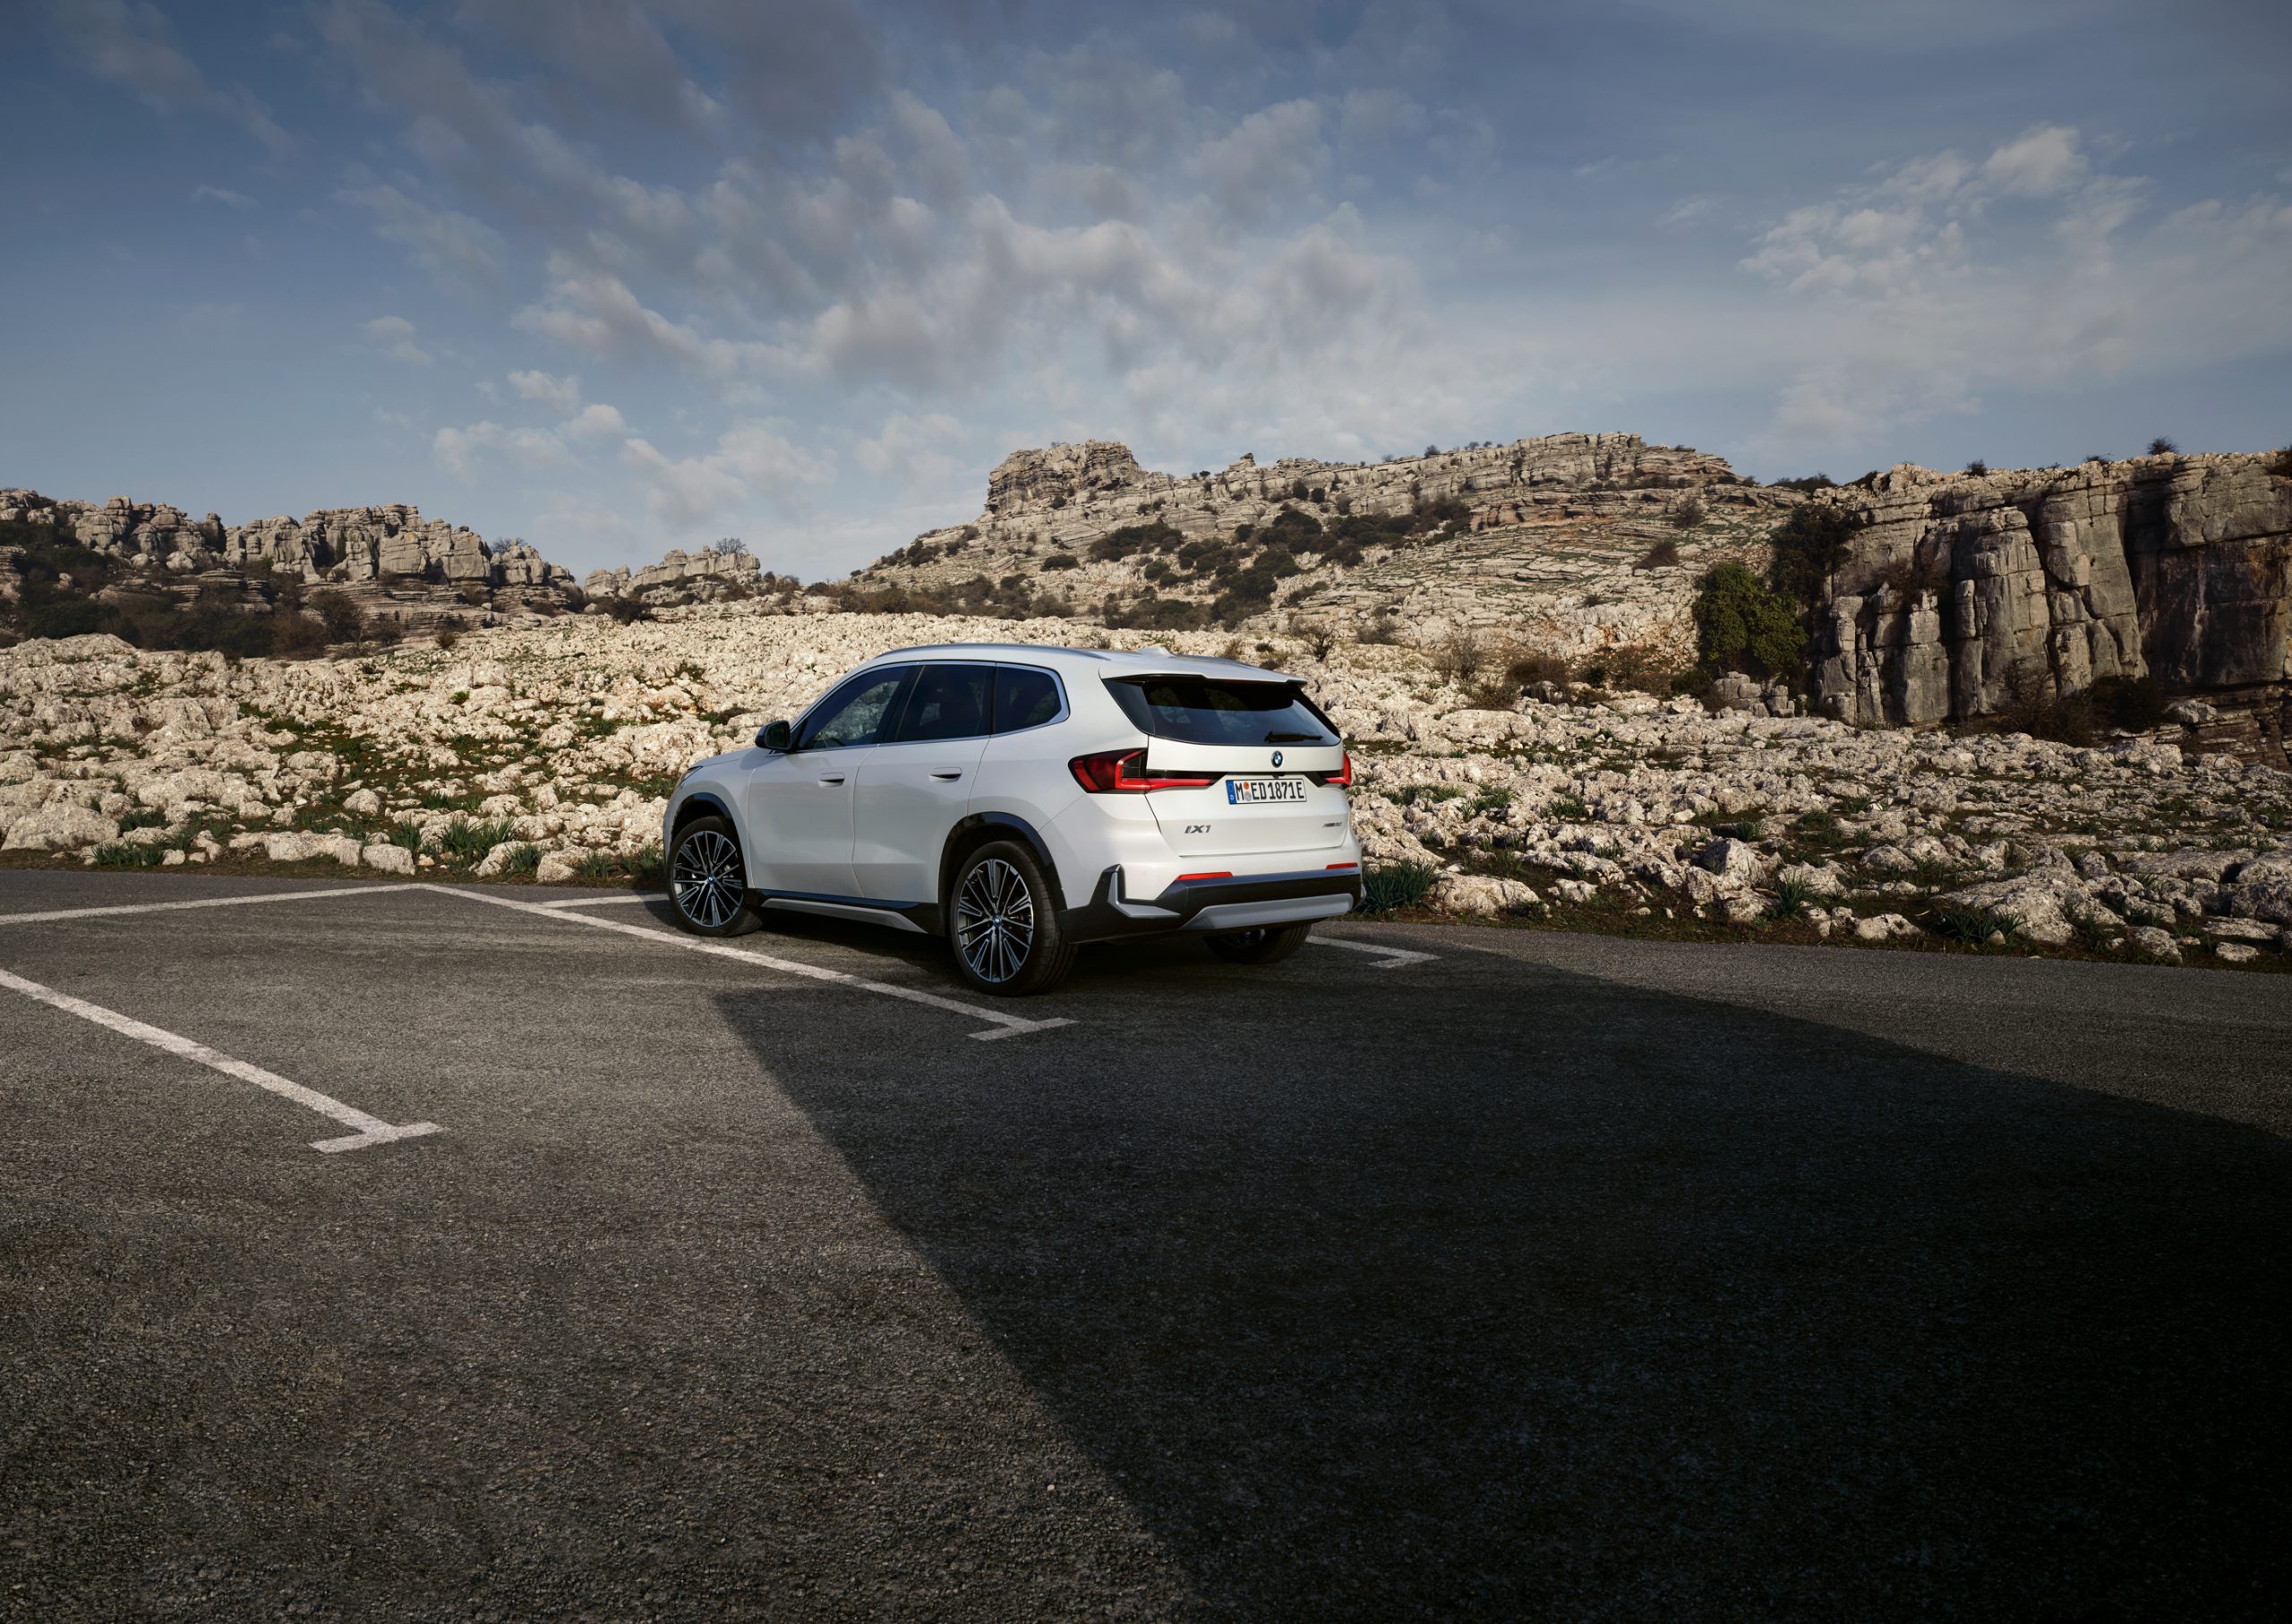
(1969, 595)
(546, 747)
(406, 572)
(1577, 544)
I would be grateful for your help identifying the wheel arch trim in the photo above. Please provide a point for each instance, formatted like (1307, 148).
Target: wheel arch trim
(975, 827)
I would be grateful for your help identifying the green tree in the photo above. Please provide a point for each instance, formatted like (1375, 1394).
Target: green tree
(1744, 626)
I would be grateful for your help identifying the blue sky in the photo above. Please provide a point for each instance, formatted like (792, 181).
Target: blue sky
(615, 276)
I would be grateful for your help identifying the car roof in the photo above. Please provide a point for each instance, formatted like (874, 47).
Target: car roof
(1100, 661)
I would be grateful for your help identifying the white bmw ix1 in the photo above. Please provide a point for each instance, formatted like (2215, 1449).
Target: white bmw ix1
(1022, 801)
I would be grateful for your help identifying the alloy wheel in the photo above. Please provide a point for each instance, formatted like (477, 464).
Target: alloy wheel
(706, 879)
(995, 920)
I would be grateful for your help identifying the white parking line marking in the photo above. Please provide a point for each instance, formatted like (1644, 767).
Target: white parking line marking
(211, 902)
(1006, 1026)
(600, 901)
(371, 1130)
(1394, 957)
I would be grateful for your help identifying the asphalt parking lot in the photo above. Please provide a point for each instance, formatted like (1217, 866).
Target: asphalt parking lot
(1451, 1273)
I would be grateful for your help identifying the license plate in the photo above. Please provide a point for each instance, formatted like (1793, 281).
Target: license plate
(1250, 791)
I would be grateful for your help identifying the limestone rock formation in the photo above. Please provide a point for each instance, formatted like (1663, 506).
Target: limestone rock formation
(680, 577)
(397, 564)
(1963, 595)
(1547, 540)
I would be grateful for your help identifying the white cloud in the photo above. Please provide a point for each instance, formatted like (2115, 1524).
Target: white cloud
(223, 195)
(396, 335)
(457, 449)
(598, 422)
(440, 239)
(593, 311)
(562, 395)
(2038, 163)
(752, 458)
(1944, 278)
(1270, 158)
(132, 45)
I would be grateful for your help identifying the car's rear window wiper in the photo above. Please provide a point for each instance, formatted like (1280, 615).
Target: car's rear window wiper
(1280, 738)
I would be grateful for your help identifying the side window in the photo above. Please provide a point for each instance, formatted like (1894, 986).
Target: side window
(947, 701)
(854, 714)
(1025, 697)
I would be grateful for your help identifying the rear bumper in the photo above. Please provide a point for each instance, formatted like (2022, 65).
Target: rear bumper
(1241, 903)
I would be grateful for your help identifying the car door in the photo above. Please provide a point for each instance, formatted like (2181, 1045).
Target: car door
(915, 782)
(800, 804)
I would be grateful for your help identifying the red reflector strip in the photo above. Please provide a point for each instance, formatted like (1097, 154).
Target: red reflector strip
(1344, 865)
(1223, 873)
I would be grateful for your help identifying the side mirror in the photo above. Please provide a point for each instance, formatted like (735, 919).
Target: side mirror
(774, 735)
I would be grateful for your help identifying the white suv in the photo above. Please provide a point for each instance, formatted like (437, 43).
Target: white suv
(1021, 801)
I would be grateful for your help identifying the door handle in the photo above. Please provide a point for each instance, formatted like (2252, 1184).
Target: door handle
(832, 778)
(956, 774)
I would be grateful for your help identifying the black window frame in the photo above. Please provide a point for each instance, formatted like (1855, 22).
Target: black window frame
(995, 728)
(906, 701)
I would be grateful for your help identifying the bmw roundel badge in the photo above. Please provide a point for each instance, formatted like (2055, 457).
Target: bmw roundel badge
(1276, 759)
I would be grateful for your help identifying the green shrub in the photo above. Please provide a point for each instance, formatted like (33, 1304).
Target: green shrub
(126, 854)
(142, 817)
(1743, 625)
(407, 833)
(1809, 546)
(522, 859)
(649, 865)
(1399, 886)
(1791, 899)
(464, 843)
(1664, 555)
(1969, 927)
(597, 866)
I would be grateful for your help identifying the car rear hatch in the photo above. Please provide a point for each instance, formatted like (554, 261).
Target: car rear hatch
(1263, 754)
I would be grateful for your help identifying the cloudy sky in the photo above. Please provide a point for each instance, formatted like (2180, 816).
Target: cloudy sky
(616, 277)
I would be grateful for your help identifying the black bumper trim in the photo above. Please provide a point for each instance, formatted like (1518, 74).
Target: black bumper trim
(1101, 920)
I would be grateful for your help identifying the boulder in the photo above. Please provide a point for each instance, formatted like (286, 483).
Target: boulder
(1481, 894)
(1883, 928)
(58, 825)
(1733, 860)
(2150, 942)
(557, 868)
(387, 858)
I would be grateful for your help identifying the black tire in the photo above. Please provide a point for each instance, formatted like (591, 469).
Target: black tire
(712, 898)
(1002, 923)
(1267, 944)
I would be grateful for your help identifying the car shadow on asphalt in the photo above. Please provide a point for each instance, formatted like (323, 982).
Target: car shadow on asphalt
(1516, 1288)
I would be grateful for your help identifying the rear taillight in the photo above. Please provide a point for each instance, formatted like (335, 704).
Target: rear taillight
(1123, 773)
(1342, 779)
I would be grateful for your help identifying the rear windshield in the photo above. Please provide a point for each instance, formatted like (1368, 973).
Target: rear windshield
(1218, 710)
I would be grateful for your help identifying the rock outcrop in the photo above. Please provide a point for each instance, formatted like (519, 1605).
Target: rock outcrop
(680, 577)
(1965, 595)
(399, 564)
(1557, 542)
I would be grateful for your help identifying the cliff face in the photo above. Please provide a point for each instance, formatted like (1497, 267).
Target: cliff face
(1960, 592)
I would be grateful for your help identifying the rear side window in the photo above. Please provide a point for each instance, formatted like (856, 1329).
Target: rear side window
(1218, 710)
(947, 701)
(855, 712)
(1025, 697)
